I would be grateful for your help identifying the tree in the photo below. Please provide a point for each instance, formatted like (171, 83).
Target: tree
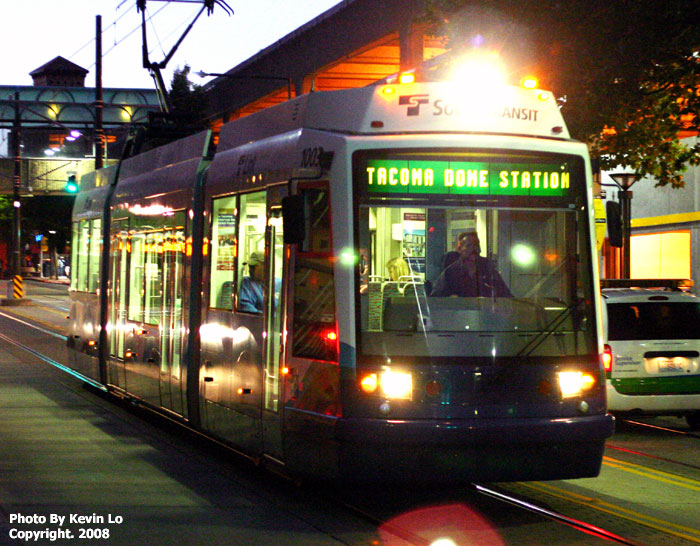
(626, 72)
(6, 209)
(188, 99)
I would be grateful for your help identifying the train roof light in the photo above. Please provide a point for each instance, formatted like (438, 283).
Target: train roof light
(484, 70)
(529, 82)
(407, 77)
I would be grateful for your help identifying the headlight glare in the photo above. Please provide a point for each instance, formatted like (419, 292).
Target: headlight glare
(574, 383)
(396, 384)
(388, 383)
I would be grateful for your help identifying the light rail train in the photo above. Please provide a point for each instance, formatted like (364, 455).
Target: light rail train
(284, 291)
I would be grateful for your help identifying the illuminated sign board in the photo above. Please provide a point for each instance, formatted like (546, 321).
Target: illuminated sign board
(408, 176)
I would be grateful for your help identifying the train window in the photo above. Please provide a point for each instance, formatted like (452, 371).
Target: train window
(508, 275)
(94, 253)
(153, 277)
(314, 322)
(83, 246)
(87, 239)
(223, 253)
(136, 268)
(252, 251)
(75, 238)
(152, 241)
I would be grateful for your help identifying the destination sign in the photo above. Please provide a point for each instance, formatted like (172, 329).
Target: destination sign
(403, 176)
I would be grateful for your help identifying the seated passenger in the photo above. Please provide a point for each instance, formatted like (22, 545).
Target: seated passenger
(397, 267)
(250, 294)
(471, 275)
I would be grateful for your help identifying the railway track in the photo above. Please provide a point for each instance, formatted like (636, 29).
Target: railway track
(391, 517)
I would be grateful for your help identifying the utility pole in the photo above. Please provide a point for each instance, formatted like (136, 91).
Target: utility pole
(16, 181)
(99, 102)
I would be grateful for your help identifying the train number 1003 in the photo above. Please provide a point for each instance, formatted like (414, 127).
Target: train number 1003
(311, 157)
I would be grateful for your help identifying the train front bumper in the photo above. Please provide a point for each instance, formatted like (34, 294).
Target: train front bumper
(486, 450)
(439, 451)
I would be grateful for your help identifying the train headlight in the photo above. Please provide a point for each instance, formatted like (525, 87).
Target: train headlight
(574, 383)
(396, 384)
(388, 383)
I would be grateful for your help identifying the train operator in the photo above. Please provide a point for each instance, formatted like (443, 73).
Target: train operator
(471, 275)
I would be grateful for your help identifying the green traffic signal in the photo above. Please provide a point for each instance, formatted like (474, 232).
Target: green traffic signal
(72, 184)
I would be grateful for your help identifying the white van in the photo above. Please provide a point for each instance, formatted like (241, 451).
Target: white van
(652, 344)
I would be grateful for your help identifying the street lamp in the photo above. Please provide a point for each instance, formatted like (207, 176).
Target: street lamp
(624, 182)
(203, 74)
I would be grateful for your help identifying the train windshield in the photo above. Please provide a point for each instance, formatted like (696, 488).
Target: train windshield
(478, 255)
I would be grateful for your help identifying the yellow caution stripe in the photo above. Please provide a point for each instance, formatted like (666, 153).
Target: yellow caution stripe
(18, 287)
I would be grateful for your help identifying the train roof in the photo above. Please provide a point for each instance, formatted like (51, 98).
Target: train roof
(406, 108)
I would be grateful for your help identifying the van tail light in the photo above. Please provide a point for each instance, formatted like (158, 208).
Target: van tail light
(607, 359)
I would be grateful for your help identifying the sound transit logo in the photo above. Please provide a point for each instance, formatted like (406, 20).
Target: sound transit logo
(413, 102)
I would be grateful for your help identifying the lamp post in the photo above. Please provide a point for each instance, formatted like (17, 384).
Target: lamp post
(624, 182)
(203, 74)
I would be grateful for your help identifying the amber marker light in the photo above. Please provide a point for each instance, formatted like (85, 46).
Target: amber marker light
(369, 383)
(407, 77)
(529, 82)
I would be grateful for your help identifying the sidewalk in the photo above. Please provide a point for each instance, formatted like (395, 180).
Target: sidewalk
(7, 289)
(58, 280)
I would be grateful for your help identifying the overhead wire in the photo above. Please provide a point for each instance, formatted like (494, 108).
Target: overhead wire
(177, 28)
(132, 31)
(113, 23)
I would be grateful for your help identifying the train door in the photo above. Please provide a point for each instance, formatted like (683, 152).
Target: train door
(274, 327)
(117, 301)
(171, 324)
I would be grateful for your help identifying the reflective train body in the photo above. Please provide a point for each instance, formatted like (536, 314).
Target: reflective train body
(284, 292)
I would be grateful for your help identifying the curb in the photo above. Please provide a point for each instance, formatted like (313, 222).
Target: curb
(15, 302)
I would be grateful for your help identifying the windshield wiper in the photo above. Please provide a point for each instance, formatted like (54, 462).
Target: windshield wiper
(548, 330)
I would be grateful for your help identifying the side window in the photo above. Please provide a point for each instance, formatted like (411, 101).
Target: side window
(153, 277)
(94, 255)
(75, 241)
(224, 246)
(314, 319)
(251, 238)
(137, 261)
(83, 255)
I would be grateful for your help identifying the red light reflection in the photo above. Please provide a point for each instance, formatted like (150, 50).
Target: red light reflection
(450, 525)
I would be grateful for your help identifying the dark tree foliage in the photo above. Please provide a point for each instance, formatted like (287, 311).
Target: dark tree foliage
(626, 72)
(188, 100)
(6, 209)
(43, 214)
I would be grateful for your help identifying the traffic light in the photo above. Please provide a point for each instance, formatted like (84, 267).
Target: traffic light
(72, 184)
